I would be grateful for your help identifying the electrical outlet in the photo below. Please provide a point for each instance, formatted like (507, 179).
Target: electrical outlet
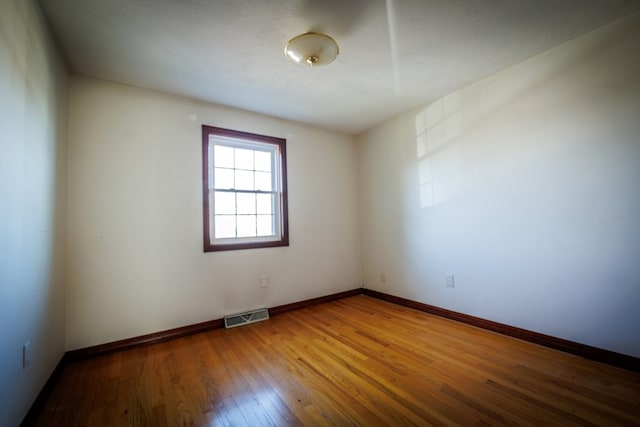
(26, 354)
(264, 281)
(449, 281)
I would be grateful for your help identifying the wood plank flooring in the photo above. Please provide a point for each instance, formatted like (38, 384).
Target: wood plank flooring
(357, 361)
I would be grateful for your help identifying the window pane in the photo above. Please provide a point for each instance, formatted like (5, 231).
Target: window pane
(244, 180)
(246, 226)
(225, 203)
(223, 156)
(225, 226)
(223, 178)
(246, 203)
(263, 161)
(244, 159)
(263, 181)
(265, 225)
(265, 203)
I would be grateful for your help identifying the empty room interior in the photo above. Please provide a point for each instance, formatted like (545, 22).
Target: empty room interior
(415, 212)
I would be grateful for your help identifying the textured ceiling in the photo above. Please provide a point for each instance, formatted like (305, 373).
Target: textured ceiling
(394, 55)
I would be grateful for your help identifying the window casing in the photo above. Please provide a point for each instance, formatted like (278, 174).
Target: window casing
(244, 190)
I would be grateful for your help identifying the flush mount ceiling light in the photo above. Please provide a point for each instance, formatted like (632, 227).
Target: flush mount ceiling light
(311, 49)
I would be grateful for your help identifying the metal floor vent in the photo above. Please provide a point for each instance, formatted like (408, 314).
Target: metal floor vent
(245, 318)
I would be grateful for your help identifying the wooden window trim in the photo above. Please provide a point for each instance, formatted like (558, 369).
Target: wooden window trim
(284, 211)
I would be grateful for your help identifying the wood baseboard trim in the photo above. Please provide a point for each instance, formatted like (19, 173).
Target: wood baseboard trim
(135, 342)
(130, 343)
(38, 404)
(594, 353)
(281, 309)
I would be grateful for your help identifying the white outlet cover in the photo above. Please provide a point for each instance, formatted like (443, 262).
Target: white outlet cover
(26, 354)
(264, 281)
(449, 281)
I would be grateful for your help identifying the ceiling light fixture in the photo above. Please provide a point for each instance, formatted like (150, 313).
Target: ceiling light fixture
(311, 49)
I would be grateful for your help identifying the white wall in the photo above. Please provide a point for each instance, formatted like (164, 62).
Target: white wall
(32, 205)
(136, 263)
(526, 187)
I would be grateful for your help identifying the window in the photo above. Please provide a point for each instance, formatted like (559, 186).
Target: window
(244, 183)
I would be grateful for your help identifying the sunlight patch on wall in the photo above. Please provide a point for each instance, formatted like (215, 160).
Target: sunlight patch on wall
(437, 127)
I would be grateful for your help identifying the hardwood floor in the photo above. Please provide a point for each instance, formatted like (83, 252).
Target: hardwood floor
(356, 361)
